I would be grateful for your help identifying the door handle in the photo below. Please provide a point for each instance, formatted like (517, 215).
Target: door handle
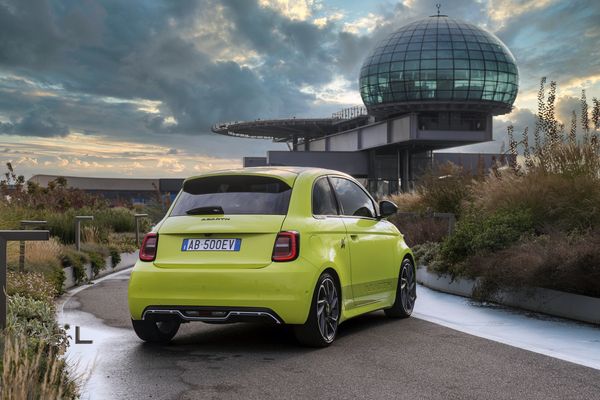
(353, 237)
(343, 243)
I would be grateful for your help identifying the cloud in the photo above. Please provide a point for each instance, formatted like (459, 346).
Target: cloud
(37, 122)
(150, 73)
(553, 40)
(293, 9)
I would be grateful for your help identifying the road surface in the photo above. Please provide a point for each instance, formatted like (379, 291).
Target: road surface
(373, 358)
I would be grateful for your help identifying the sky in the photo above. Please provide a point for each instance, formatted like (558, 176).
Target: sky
(131, 88)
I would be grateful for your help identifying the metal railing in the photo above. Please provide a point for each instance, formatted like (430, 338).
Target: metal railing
(350, 112)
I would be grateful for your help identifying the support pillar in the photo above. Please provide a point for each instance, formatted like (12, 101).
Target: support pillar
(405, 170)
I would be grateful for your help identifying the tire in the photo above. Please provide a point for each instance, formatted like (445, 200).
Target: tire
(320, 328)
(156, 331)
(406, 292)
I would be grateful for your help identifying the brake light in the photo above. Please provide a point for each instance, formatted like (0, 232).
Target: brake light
(286, 246)
(149, 245)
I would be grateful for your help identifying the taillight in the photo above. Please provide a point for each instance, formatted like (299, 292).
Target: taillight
(149, 245)
(286, 246)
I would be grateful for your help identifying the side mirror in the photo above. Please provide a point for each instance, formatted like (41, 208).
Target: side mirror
(387, 208)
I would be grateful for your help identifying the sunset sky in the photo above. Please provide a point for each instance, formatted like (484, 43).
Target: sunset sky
(131, 88)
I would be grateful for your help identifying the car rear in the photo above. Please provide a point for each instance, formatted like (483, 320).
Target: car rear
(220, 254)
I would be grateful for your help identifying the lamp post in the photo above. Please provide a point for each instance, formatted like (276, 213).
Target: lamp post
(78, 220)
(137, 227)
(6, 236)
(25, 224)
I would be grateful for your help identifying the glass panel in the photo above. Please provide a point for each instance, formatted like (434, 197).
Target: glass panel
(426, 64)
(413, 55)
(461, 63)
(235, 194)
(323, 202)
(353, 199)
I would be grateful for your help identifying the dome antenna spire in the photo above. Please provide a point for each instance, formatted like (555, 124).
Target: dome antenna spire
(438, 6)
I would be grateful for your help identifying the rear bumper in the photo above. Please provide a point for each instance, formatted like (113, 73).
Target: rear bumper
(213, 315)
(282, 290)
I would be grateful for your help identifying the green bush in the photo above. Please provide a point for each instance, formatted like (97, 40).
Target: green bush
(58, 279)
(115, 256)
(32, 365)
(97, 261)
(34, 319)
(106, 220)
(476, 233)
(115, 219)
(62, 225)
(31, 284)
(426, 253)
(77, 260)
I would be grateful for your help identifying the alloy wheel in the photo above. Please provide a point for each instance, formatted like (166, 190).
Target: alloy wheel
(408, 288)
(328, 310)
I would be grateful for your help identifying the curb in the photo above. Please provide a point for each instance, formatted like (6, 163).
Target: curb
(127, 260)
(546, 301)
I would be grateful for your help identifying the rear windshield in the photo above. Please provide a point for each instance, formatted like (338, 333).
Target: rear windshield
(235, 194)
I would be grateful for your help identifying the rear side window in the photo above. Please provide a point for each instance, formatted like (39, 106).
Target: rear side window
(234, 194)
(355, 202)
(323, 202)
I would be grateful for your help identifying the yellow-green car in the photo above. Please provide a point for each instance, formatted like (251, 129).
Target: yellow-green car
(302, 246)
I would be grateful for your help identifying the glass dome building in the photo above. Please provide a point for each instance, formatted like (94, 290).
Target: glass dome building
(433, 84)
(438, 60)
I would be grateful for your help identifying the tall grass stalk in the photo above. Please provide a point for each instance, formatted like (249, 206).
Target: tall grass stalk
(33, 373)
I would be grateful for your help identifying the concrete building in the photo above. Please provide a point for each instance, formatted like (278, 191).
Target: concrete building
(433, 84)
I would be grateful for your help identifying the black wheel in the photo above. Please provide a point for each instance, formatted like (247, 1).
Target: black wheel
(406, 292)
(321, 326)
(156, 331)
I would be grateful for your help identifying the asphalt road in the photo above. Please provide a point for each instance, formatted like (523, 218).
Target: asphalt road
(372, 358)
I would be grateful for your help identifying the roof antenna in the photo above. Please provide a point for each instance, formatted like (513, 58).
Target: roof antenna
(438, 5)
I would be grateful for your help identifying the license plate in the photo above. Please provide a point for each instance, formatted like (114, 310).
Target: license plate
(211, 244)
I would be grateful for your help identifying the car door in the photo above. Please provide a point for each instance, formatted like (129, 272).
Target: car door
(328, 236)
(371, 241)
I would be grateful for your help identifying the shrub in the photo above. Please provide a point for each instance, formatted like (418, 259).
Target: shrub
(556, 202)
(117, 219)
(569, 263)
(408, 202)
(426, 253)
(35, 319)
(123, 242)
(77, 260)
(62, 225)
(97, 261)
(32, 366)
(33, 285)
(58, 278)
(420, 228)
(115, 256)
(475, 233)
(445, 189)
